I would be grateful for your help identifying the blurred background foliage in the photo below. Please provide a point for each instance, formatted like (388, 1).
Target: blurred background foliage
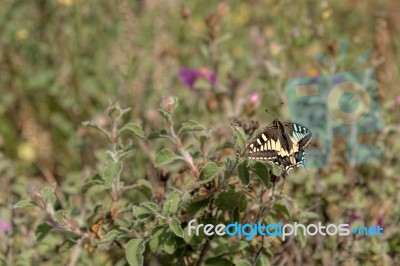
(63, 61)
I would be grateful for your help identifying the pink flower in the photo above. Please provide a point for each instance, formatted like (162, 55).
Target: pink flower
(254, 97)
(253, 101)
(189, 77)
(5, 226)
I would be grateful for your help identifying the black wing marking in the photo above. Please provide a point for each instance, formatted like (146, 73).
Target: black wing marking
(300, 134)
(281, 143)
(290, 162)
(274, 140)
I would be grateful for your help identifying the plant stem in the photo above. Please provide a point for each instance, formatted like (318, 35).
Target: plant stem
(75, 254)
(203, 252)
(258, 253)
(186, 156)
(114, 142)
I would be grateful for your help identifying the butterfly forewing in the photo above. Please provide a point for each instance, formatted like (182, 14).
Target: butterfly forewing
(265, 146)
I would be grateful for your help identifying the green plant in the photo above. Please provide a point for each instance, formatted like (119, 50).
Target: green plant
(112, 186)
(214, 189)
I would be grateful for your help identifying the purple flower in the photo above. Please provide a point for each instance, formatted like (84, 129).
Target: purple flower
(379, 221)
(398, 100)
(189, 76)
(353, 216)
(5, 226)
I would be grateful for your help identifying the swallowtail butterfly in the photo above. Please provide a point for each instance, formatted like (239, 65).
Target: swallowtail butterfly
(282, 143)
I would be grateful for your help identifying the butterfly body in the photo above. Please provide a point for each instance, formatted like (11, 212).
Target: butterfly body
(282, 143)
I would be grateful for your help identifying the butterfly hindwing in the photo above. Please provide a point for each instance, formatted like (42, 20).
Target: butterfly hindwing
(299, 133)
(281, 143)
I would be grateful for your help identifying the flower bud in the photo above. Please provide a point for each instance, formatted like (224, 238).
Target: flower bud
(185, 12)
(114, 111)
(169, 104)
(222, 9)
(253, 102)
(212, 104)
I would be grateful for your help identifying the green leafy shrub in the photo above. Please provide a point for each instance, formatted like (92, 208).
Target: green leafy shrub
(147, 228)
(121, 189)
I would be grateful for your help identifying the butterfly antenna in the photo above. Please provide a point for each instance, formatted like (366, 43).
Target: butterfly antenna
(266, 110)
(280, 107)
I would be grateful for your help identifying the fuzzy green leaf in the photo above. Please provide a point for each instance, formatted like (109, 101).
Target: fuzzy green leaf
(48, 195)
(210, 171)
(158, 134)
(41, 231)
(167, 207)
(189, 126)
(194, 209)
(243, 171)
(113, 169)
(158, 238)
(165, 156)
(110, 236)
(240, 137)
(175, 226)
(172, 203)
(58, 216)
(262, 171)
(170, 245)
(231, 200)
(134, 129)
(145, 187)
(51, 199)
(282, 209)
(141, 213)
(94, 180)
(134, 252)
(151, 206)
(23, 204)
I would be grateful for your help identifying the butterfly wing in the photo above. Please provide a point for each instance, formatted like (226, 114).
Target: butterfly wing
(300, 135)
(280, 143)
(264, 146)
